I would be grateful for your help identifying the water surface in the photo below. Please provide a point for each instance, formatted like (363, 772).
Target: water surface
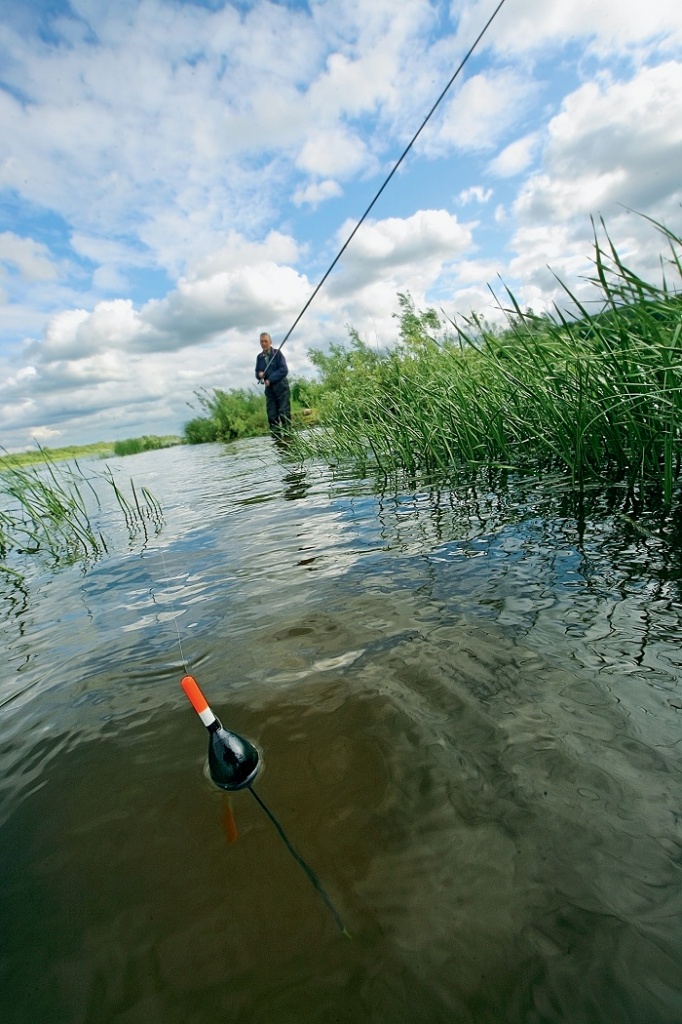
(469, 712)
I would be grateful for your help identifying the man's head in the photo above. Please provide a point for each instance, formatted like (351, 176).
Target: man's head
(265, 341)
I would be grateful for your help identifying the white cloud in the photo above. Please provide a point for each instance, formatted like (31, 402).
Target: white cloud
(106, 250)
(526, 25)
(238, 252)
(60, 334)
(44, 434)
(76, 334)
(516, 157)
(403, 253)
(111, 355)
(398, 240)
(32, 259)
(192, 315)
(481, 112)
(612, 143)
(478, 271)
(109, 279)
(317, 193)
(230, 300)
(353, 86)
(474, 194)
(335, 151)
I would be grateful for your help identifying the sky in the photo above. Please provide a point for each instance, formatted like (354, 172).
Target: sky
(176, 177)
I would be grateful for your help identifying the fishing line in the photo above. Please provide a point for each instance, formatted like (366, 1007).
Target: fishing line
(317, 884)
(395, 168)
(183, 659)
(234, 763)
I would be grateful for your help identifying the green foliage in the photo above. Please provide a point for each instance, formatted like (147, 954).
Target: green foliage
(596, 396)
(418, 329)
(229, 415)
(305, 393)
(200, 430)
(146, 443)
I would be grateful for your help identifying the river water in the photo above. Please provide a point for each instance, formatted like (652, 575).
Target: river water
(468, 707)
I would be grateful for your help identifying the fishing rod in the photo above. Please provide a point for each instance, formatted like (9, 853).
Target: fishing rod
(393, 171)
(233, 761)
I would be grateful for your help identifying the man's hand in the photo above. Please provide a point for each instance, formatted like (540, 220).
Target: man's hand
(261, 374)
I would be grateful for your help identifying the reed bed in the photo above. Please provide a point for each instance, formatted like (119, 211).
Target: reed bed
(593, 397)
(51, 510)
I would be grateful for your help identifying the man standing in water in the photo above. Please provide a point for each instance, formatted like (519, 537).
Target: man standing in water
(271, 369)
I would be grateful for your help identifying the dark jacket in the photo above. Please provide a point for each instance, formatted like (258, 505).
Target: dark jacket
(273, 365)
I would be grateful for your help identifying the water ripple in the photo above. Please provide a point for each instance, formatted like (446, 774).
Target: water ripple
(469, 715)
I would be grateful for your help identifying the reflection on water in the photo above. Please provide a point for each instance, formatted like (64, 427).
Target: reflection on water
(469, 712)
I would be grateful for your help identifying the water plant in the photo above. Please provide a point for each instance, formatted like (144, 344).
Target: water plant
(49, 509)
(593, 396)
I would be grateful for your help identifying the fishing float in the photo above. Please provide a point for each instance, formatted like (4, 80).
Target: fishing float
(233, 764)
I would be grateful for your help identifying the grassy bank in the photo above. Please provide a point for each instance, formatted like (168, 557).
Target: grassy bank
(593, 397)
(99, 450)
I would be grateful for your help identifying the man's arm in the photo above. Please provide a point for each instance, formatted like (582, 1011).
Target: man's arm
(277, 368)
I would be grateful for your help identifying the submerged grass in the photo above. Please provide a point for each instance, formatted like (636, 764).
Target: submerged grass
(594, 396)
(47, 509)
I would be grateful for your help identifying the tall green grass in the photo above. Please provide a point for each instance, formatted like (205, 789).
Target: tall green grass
(49, 510)
(594, 396)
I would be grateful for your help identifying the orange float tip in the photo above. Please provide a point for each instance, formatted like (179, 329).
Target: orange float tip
(195, 696)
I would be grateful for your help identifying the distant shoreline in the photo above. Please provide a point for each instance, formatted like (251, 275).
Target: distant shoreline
(100, 449)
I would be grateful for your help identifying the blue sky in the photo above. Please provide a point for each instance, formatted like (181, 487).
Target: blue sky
(176, 177)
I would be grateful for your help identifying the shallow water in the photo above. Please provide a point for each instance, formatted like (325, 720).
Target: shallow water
(469, 713)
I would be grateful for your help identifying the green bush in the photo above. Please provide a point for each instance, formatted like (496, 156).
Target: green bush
(200, 430)
(230, 415)
(146, 443)
(305, 393)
